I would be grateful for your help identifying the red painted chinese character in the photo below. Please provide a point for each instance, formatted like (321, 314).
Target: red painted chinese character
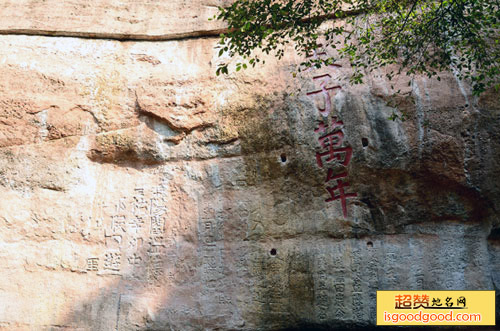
(330, 143)
(330, 176)
(335, 124)
(342, 196)
(321, 127)
(324, 79)
(316, 55)
(325, 91)
(333, 139)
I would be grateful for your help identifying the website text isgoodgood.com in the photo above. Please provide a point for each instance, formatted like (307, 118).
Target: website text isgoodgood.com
(422, 317)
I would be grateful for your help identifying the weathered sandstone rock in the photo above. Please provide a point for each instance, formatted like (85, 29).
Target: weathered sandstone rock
(113, 18)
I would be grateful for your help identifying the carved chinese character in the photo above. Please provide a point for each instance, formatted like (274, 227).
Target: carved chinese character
(356, 286)
(157, 225)
(93, 264)
(99, 221)
(113, 238)
(325, 92)
(335, 125)
(339, 287)
(112, 261)
(102, 208)
(155, 267)
(331, 149)
(159, 193)
(133, 242)
(211, 261)
(157, 207)
(317, 54)
(118, 224)
(134, 259)
(156, 249)
(340, 313)
(157, 240)
(121, 206)
(135, 224)
(322, 298)
(140, 204)
(209, 240)
(323, 79)
(357, 305)
(321, 127)
(420, 281)
(342, 196)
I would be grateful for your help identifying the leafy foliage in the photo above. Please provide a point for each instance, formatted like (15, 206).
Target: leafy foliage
(414, 36)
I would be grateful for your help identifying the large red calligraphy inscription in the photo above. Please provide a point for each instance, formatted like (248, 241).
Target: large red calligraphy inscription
(332, 150)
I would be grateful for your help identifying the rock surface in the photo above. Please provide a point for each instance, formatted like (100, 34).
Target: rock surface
(111, 18)
(140, 191)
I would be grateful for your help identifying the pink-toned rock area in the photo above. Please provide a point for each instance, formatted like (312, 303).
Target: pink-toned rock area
(140, 191)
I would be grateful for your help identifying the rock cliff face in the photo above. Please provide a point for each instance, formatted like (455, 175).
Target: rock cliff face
(141, 192)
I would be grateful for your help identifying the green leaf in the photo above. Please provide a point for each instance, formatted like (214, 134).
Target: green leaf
(421, 37)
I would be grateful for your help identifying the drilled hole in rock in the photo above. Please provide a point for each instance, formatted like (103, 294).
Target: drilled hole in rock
(273, 252)
(369, 244)
(494, 235)
(283, 157)
(364, 141)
